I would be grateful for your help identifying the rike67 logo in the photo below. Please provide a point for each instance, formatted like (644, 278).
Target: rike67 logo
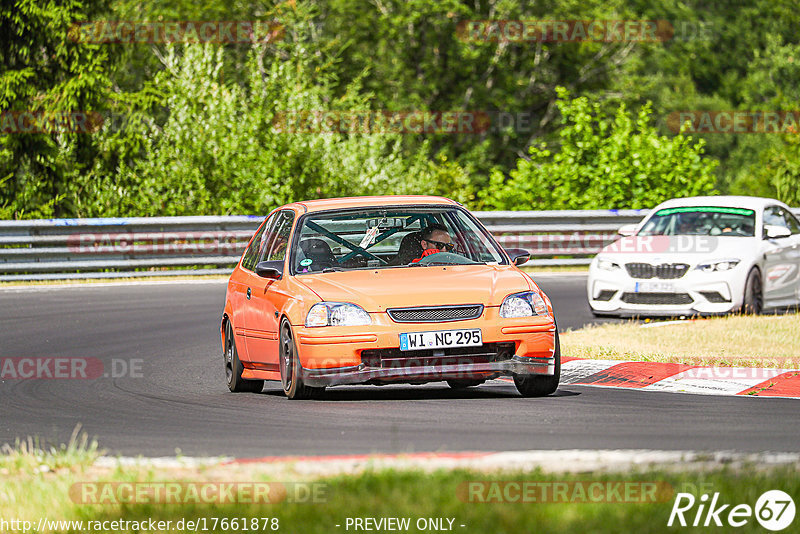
(774, 510)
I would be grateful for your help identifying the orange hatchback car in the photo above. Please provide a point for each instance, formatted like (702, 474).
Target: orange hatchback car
(384, 290)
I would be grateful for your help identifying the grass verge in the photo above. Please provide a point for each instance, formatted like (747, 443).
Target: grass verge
(737, 340)
(29, 493)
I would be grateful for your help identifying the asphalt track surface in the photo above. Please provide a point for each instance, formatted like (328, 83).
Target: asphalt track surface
(178, 400)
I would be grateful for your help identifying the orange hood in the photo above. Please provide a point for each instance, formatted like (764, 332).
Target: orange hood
(376, 290)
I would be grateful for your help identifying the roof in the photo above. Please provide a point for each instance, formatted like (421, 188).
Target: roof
(753, 203)
(374, 201)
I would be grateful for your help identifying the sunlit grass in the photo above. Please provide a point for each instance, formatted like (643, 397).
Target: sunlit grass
(403, 493)
(737, 340)
(33, 454)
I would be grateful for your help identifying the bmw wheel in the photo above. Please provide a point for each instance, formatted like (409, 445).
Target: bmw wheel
(753, 302)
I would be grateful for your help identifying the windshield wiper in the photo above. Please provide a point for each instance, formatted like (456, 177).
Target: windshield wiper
(332, 269)
(444, 263)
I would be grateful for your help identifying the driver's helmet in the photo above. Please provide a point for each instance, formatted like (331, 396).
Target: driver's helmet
(688, 222)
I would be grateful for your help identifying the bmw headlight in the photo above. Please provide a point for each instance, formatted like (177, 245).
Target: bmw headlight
(526, 304)
(337, 314)
(721, 265)
(607, 265)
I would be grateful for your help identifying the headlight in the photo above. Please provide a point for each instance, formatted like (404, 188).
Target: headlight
(337, 314)
(722, 265)
(527, 304)
(607, 265)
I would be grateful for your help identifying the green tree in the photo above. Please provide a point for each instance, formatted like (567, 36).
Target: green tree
(770, 162)
(223, 148)
(617, 161)
(47, 73)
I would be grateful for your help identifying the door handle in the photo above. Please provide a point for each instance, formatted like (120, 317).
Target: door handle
(248, 293)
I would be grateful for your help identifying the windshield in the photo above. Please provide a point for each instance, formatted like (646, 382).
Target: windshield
(719, 221)
(391, 237)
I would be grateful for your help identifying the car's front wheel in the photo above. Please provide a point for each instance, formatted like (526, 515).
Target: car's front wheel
(291, 380)
(541, 385)
(753, 302)
(234, 367)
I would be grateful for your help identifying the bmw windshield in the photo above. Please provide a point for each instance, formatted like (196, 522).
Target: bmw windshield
(388, 237)
(703, 221)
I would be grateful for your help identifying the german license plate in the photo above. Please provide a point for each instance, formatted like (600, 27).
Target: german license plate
(441, 339)
(655, 287)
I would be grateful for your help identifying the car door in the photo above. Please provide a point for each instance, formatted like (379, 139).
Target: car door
(794, 254)
(780, 262)
(237, 287)
(266, 296)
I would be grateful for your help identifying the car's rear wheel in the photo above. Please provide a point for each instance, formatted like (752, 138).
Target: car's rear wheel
(541, 385)
(291, 380)
(753, 302)
(234, 367)
(461, 383)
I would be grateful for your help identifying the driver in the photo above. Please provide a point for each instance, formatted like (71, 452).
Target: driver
(687, 224)
(434, 239)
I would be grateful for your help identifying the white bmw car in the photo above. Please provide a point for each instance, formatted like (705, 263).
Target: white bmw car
(700, 256)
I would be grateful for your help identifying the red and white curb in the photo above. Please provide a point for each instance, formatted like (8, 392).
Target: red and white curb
(680, 378)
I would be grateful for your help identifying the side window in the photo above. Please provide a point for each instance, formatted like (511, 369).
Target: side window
(775, 217)
(250, 257)
(276, 251)
(792, 222)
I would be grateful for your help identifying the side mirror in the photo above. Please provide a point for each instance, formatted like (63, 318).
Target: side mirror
(776, 232)
(627, 230)
(518, 256)
(269, 269)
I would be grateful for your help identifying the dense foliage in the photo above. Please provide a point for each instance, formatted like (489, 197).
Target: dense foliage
(602, 161)
(190, 128)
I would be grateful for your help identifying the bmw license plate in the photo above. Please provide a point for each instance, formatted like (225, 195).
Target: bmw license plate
(441, 339)
(655, 287)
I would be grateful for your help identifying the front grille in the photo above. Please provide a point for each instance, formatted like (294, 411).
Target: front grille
(714, 296)
(435, 314)
(606, 295)
(659, 299)
(665, 271)
(394, 358)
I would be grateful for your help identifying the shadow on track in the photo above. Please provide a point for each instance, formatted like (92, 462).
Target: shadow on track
(395, 393)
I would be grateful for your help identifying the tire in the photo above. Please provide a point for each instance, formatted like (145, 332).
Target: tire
(234, 367)
(538, 385)
(462, 383)
(753, 301)
(289, 361)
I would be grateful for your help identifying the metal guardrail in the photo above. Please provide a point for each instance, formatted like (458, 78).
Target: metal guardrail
(52, 249)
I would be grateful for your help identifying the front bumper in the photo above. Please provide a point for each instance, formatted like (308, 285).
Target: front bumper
(363, 374)
(371, 355)
(695, 293)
